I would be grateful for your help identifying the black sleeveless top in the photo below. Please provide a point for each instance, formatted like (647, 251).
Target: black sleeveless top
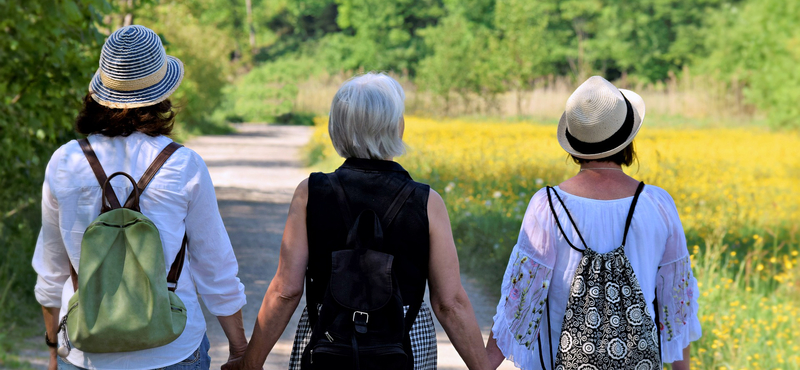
(368, 184)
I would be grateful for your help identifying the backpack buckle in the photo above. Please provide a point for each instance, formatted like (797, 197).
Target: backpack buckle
(172, 286)
(360, 319)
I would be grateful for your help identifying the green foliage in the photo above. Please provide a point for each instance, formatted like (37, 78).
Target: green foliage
(380, 35)
(268, 92)
(49, 54)
(205, 52)
(758, 43)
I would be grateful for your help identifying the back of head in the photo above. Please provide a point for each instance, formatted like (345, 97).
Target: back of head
(365, 117)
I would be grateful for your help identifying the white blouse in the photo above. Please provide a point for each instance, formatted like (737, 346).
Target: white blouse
(542, 265)
(180, 198)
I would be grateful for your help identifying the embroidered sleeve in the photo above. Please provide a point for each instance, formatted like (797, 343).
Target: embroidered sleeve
(676, 292)
(522, 305)
(520, 312)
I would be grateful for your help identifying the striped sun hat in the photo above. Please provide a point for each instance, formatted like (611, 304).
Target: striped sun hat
(135, 71)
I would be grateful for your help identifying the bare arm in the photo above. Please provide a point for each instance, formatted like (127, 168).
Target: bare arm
(493, 352)
(450, 302)
(233, 326)
(286, 288)
(51, 325)
(683, 364)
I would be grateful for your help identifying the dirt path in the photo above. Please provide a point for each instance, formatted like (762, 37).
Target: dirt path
(255, 172)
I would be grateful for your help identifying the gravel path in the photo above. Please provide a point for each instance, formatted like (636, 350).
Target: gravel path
(255, 172)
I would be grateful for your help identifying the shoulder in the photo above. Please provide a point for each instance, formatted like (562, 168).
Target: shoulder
(302, 188)
(434, 198)
(424, 191)
(539, 210)
(60, 156)
(658, 196)
(540, 196)
(539, 203)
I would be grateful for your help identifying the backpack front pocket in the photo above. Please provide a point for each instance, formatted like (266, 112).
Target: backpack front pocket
(340, 356)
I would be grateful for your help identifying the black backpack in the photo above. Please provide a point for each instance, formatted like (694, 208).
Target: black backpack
(361, 324)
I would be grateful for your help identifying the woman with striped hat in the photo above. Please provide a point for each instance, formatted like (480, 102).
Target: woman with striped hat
(127, 117)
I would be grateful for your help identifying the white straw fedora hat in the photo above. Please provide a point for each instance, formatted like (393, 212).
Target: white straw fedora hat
(135, 71)
(600, 120)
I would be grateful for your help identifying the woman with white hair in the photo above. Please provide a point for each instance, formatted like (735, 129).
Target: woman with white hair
(366, 127)
(600, 277)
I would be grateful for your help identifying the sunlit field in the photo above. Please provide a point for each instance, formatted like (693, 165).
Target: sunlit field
(737, 192)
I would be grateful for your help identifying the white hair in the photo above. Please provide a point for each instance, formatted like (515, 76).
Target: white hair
(365, 117)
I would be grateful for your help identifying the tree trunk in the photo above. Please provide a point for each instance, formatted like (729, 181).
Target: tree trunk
(127, 11)
(252, 30)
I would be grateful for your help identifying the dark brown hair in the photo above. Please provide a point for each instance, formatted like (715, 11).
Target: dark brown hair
(153, 120)
(625, 157)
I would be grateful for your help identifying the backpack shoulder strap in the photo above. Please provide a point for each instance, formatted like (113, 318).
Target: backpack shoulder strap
(630, 211)
(341, 197)
(397, 204)
(100, 174)
(153, 169)
(177, 265)
(555, 216)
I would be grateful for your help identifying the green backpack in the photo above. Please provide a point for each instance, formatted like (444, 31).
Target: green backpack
(124, 300)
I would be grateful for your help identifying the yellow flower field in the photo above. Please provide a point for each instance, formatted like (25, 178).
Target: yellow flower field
(737, 192)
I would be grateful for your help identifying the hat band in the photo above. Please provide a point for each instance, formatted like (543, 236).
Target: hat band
(137, 84)
(612, 142)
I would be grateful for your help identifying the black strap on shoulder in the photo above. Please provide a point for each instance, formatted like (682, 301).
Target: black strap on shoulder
(553, 210)
(397, 204)
(630, 211)
(390, 214)
(111, 202)
(341, 197)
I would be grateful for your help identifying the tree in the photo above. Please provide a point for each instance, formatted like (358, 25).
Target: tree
(758, 43)
(524, 43)
(49, 54)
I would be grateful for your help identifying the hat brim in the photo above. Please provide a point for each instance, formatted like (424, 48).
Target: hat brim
(638, 117)
(139, 98)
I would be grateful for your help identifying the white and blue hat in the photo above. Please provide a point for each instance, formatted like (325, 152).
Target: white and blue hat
(135, 71)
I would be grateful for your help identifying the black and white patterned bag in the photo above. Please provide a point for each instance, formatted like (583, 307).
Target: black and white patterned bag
(606, 323)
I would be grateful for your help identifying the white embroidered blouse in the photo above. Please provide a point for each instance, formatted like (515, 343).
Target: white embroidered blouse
(542, 265)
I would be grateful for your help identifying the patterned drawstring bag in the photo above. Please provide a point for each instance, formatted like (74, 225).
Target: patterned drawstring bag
(606, 322)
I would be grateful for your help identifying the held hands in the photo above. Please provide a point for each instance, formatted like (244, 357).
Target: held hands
(236, 356)
(233, 364)
(237, 364)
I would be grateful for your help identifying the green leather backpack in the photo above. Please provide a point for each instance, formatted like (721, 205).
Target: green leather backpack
(124, 299)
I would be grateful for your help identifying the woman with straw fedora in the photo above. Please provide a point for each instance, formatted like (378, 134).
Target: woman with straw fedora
(127, 117)
(600, 277)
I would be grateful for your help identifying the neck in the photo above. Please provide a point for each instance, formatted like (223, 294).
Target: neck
(600, 166)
